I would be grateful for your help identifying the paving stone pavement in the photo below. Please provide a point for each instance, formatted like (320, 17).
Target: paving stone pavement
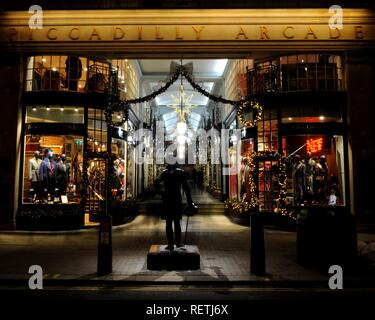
(224, 248)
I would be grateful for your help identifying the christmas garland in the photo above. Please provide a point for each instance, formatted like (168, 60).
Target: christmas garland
(249, 106)
(183, 71)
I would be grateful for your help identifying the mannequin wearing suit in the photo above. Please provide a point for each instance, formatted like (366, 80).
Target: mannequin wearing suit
(47, 174)
(62, 175)
(34, 164)
(298, 174)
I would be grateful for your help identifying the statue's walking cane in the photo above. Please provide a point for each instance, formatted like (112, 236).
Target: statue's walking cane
(187, 224)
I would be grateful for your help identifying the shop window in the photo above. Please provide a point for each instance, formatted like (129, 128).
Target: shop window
(52, 169)
(67, 73)
(302, 72)
(315, 170)
(130, 178)
(268, 131)
(268, 184)
(247, 148)
(233, 178)
(119, 167)
(56, 73)
(96, 131)
(54, 114)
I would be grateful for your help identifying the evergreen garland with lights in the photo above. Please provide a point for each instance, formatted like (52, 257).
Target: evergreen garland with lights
(249, 106)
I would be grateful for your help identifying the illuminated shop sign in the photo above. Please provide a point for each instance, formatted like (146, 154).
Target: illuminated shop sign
(314, 145)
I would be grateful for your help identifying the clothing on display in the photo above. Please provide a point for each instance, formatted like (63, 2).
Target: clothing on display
(34, 165)
(298, 174)
(62, 175)
(47, 175)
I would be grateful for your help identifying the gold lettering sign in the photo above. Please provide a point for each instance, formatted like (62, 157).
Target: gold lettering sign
(157, 34)
(310, 32)
(358, 32)
(51, 34)
(264, 33)
(118, 33)
(198, 31)
(74, 34)
(243, 33)
(286, 33)
(178, 34)
(12, 33)
(95, 34)
(334, 33)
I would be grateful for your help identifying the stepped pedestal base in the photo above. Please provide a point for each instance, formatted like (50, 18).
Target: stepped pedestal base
(185, 258)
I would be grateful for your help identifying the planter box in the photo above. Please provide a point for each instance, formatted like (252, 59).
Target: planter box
(50, 217)
(242, 219)
(122, 214)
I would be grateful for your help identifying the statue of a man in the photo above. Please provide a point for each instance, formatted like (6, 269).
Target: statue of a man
(169, 184)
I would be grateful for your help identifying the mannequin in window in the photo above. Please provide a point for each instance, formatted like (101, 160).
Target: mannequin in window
(321, 170)
(309, 177)
(34, 165)
(47, 175)
(73, 71)
(77, 170)
(62, 174)
(298, 174)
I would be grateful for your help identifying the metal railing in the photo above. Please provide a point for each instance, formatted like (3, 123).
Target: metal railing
(99, 79)
(295, 77)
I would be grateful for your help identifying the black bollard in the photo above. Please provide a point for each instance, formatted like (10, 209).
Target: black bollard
(257, 251)
(105, 246)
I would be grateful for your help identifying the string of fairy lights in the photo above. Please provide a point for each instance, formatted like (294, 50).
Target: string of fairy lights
(240, 207)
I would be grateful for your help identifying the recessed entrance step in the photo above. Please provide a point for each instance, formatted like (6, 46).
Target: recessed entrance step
(185, 258)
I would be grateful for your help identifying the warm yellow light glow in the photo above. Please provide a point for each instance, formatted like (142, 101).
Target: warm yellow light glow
(181, 128)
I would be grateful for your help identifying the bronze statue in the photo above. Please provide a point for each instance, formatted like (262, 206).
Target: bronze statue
(169, 184)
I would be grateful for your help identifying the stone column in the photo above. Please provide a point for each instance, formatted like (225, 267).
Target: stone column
(360, 84)
(11, 84)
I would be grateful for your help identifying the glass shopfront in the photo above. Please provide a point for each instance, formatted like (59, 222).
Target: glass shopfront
(306, 132)
(247, 148)
(52, 169)
(315, 169)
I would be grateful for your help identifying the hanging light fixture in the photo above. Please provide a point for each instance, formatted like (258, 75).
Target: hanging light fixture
(181, 124)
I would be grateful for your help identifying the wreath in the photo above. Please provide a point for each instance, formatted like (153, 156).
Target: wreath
(249, 106)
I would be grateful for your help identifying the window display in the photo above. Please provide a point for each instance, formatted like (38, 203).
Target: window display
(53, 168)
(315, 169)
(119, 167)
(247, 147)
